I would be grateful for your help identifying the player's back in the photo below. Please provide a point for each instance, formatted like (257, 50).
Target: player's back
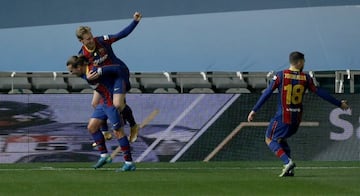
(292, 87)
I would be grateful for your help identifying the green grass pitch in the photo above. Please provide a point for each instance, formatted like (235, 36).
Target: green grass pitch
(182, 178)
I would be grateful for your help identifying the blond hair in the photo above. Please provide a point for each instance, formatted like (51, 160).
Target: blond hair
(80, 31)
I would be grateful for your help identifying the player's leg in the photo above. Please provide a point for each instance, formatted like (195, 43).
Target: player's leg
(96, 121)
(284, 145)
(125, 148)
(127, 115)
(93, 127)
(274, 133)
(117, 126)
(105, 130)
(121, 86)
(96, 99)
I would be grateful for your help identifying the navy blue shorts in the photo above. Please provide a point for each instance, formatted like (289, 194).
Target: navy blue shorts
(277, 129)
(104, 112)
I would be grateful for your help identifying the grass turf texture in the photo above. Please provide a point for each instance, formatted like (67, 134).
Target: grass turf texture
(183, 178)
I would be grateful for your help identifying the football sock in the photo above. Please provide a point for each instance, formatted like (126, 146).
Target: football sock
(104, 127)
(100, 141)
(125, 148)
(279, 152)
(284, 145)
(128, 115)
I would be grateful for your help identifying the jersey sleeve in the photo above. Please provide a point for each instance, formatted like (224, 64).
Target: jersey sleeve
(322, 93)
(268, 91)
(81, 51)
(110, 70)
(109, 39)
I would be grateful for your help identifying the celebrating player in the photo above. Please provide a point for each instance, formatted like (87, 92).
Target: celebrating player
(99, 52)
(104, 86)
(291, 84)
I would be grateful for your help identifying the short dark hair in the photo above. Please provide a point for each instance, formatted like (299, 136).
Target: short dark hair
(71, 61)
(76, 61)
(295, 57)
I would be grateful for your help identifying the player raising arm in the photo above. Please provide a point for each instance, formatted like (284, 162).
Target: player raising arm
(99, 52)
(291, 84)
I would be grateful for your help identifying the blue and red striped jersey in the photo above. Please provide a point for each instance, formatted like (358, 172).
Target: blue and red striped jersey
(292, 85)
(103, 53)
(104, 86)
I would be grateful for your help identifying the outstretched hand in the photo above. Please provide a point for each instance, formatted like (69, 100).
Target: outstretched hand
(344, 105)
(137, 16)
(251, 116)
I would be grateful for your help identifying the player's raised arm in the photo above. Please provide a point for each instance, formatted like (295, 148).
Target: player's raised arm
(125, 32)
(137, 16)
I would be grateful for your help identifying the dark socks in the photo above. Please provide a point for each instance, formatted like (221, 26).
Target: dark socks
(284, 145)
(128, 115)
(125, 148)
(279, 152)
(100, 141)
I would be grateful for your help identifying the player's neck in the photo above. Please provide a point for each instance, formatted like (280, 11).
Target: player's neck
(89, 50)
(293, 68)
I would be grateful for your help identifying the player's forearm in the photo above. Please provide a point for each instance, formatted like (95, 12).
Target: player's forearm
(108, 70)
(125, 32)
(265, 96)
(326, 96)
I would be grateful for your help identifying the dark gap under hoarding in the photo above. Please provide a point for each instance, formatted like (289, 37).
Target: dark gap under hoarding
(52, 128)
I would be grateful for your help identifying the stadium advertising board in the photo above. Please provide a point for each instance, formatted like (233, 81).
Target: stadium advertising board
(52, 128)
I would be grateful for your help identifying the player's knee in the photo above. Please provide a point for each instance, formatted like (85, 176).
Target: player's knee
(119, 133)
(93, 105)
(119, 105)
(91, 128)
(119, 101)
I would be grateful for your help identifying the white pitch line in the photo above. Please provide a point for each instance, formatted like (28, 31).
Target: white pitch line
(174, 168)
